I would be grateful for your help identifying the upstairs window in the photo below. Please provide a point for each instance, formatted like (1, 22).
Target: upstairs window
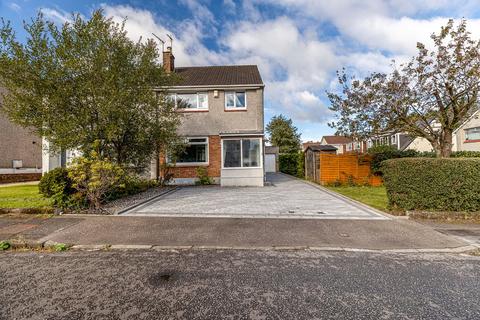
(472, 133)
(235, 100)
(191, 101)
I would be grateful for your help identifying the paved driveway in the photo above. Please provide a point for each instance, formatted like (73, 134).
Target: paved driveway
(285, 198)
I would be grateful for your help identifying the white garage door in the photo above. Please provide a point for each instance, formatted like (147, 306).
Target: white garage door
(270, 163)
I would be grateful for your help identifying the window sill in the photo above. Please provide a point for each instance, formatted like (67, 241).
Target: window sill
(242, 168)
(471, 141)
(191, 164)
(235, 109)
(192, 110)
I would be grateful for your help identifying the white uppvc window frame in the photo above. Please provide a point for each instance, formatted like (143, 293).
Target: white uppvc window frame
(191, 101)
(235, 100)
(245, 160)
(192, 147)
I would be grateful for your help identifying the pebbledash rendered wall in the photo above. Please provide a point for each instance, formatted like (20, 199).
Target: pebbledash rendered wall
(17, 143)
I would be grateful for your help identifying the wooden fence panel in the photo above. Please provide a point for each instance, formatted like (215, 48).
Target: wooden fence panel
(345, 168)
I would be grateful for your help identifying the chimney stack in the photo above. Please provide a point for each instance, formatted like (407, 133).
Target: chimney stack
(168, 60)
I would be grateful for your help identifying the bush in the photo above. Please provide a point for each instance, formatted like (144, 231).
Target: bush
(130, 184)
(382, 153)
(466, 154)
(203, 178)
(291, 163)
(57, 185)
(94, 178)
(301, 165)
(433, 184)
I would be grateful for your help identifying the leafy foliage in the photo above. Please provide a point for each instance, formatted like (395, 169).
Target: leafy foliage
(428, 97)
(4, 245)
(381, 153)
(94, 177)
(283, 134)
(202, 175)
(56, 185)
(86, 81)
(292, 164)
(433, 184)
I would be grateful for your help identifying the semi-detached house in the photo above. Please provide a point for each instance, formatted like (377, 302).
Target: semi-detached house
(222, 123)
(222, 108)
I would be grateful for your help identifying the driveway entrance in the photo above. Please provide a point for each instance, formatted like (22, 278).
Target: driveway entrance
(285, 198)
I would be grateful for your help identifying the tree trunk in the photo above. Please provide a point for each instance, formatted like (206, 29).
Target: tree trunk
(445, 144)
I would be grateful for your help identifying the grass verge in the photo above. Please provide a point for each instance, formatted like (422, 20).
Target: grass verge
(375, 197)
(24, 196)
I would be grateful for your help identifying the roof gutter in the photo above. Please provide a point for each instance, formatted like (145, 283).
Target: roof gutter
(212, 87)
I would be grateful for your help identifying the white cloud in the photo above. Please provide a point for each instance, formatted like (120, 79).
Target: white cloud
(57, 15)
(297, 59)
(14, 6)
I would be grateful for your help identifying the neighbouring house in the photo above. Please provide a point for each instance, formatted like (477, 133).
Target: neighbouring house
(312, 159)
(307, 144)
(271, 158)
(223, 124)
(343, 144)
(20, 152)
(465, 138)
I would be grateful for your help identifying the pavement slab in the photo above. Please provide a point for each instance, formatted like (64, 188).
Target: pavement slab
(286, 197)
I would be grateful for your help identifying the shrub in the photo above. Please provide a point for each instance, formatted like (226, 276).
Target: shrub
(94, 178)
(57, 185)
(130, 184)
(291, 163)
(301, 165)
(382, 153)
(433, 184)
(466, 154)
(202, 175)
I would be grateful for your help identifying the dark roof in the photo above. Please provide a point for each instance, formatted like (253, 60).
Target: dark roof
(272, 150)
(219, 75)
(325, 147)
(337, 139)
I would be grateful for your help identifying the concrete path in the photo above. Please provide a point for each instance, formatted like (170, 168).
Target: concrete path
(286, 198)
(251, 233)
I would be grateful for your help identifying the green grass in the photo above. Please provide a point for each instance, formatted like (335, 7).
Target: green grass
(373, 196)
(26, 196)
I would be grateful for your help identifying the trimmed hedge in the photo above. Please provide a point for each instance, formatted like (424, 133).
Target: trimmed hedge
(292, 164)
(433, 184)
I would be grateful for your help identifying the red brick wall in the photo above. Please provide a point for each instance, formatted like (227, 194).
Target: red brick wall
(19, 177)
(214, 159)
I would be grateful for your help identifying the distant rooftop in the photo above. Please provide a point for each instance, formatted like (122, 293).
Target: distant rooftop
(219, 75)
(337, 139)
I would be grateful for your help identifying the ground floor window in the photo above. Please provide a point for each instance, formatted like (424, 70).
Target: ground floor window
(242, 153)
(195, 152)
(472, 134)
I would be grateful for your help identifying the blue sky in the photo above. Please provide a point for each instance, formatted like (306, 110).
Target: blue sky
(297, 44)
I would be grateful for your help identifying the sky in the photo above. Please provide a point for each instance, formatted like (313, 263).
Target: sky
(298, 45)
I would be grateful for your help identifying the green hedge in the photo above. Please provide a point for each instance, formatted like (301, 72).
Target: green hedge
(292, 163)
(433, 184)
(382, 153)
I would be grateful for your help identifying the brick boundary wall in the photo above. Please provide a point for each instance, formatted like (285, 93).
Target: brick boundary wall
(19, 177)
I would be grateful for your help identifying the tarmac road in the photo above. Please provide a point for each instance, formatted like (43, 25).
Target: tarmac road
(234, 284)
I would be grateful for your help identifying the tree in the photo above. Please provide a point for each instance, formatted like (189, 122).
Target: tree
(428, 97)
(86, 83)
(283, 134)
